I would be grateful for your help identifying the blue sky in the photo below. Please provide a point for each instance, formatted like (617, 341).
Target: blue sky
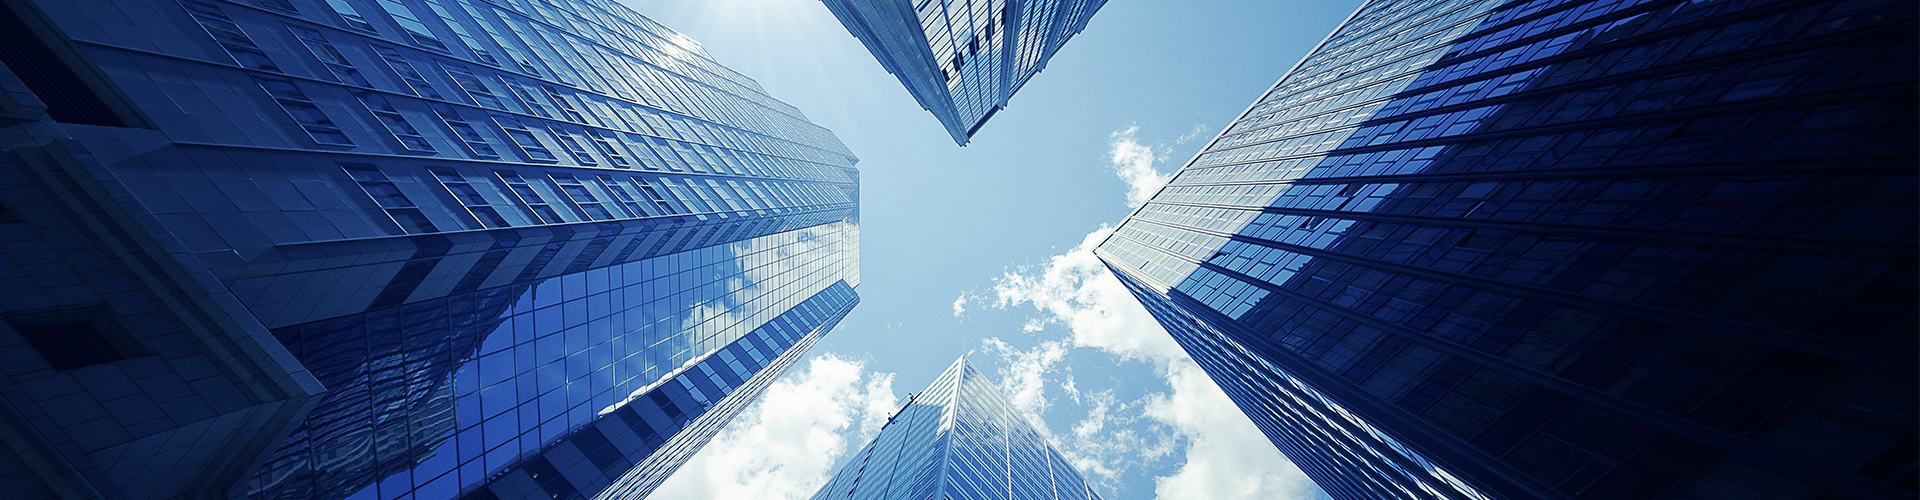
(981, 250)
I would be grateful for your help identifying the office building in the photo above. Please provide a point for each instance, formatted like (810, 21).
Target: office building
(963, 59)
(1564, 249)
(381, 249)
(958, 440)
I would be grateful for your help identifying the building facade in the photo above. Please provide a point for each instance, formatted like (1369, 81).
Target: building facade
(958, 440)
(962, 60)
(1564, 249)
(381, 249)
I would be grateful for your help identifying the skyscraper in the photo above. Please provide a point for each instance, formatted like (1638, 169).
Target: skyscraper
(1564, 249)
(962, 60)
(958, 440)
(393, 249)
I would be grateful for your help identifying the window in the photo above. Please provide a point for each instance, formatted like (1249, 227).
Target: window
(505, 46)
(608, 147)
(600, 112)
(394, 123)
(284, 6)
(666, 206)
(351, 16)
(658, 125)
(733, 163)
(788, 195)
(547, 56)
(771, 192)
(578, 194)
(572, 144)
(713, 159)
(479, 51)
(465, 131)
(418, 31)
(568, 56)
(627, 202)
(77, 337)
(566, 107)
(694, 202)
(688, 155)
(475, 88)
(542, 211)
(717, 195)
(390, 199)
(404, 69)
(524, 138)
(528, 99)
(747, 195)
(329, 56)
(659, 147)
(302, 109)
(470, 198)
(231, 38)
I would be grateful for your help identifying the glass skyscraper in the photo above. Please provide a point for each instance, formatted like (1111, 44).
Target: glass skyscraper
(963, 59)
(385, 249)
(1525, 249)
(957, 440)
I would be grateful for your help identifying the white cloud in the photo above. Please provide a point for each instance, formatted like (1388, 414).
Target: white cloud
(1023, 380)
(1199, 130)
(960, 305)
(1222, 455)
(1133, 162)
(1075, 290)
(1227, 458)
(785, 446)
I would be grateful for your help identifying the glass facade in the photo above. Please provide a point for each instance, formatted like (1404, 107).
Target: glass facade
(1564, 249)
(963, 59)
(957, 440)
(395, 249)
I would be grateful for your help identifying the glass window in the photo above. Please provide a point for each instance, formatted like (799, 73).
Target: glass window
(390, 118)
(609, 147)
(418, 31)
(388, 196)
(465, 131)
(565, 105)
(572, 144)
(350, 16)
(398, 63)
(627, 202)
(475, 88)
(229, 35)
(524, 138)
(506, 45)
(693, 201)
(527, 98)
(302, 109)
(581, 197)
(469, 198)
(542, 211)
(665, 204)
(480, 52)
(329, 56)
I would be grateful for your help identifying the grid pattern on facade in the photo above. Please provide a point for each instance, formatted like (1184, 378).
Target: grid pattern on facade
(470, 230)
(674, 414)
(957, 439)
(473, 385)
(963, 60)
(1617, 249)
